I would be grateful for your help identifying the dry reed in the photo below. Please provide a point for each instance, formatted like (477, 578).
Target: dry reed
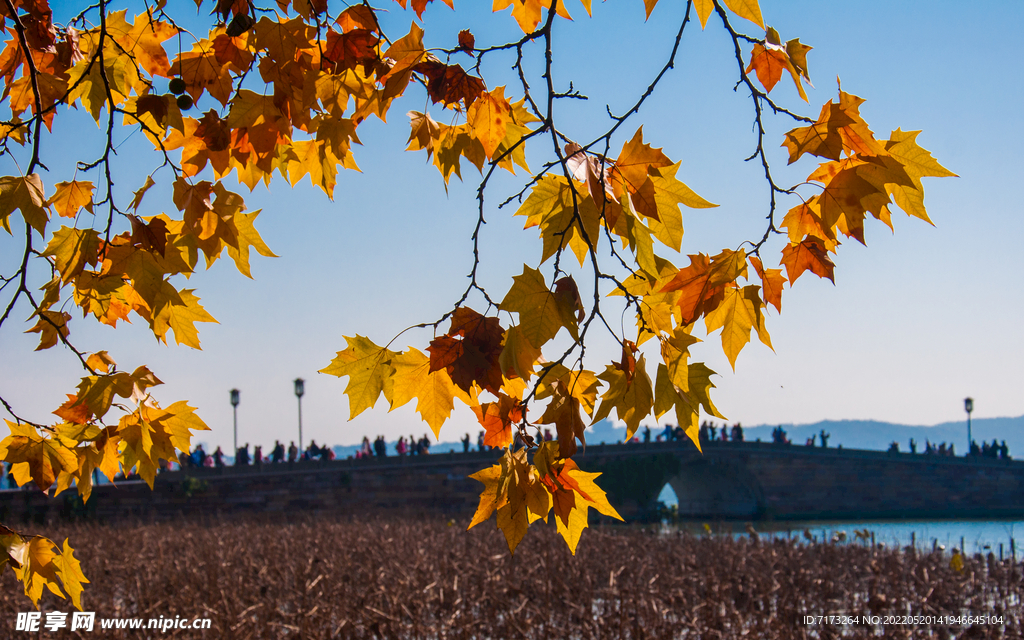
(327, 578)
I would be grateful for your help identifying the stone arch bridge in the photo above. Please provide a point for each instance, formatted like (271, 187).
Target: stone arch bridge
(729, 481)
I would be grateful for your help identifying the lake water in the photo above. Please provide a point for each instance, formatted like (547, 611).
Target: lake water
(979, 536)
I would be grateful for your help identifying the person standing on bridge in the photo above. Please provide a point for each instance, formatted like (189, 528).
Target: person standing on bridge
(400, 447)
(647, 434)
(293, 452)
(465, 444)
(824, 438)
(737, 432)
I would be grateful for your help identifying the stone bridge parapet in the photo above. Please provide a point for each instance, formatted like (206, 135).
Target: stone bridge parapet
(729, 481)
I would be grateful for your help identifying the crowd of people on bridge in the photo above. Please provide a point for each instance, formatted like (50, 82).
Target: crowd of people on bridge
(198, 458)
(986, 450)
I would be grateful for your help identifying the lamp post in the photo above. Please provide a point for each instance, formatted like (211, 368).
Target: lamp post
(234, 405)
(300, 389)
(969, 407)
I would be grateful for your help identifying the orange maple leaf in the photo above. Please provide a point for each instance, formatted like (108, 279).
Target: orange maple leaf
(809, 254)
(497, 419)
(771, 283)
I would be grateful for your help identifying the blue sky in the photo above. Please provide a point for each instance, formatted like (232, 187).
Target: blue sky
(917, 320)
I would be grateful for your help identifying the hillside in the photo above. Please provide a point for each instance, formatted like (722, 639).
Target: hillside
(852, 434)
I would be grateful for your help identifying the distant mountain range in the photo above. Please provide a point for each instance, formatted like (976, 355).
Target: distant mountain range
(852, 434)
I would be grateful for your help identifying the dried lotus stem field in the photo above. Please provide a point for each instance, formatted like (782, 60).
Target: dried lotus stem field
(311, 578)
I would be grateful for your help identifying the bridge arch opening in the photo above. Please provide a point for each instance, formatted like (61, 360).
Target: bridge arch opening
(710, 488)
(668, 496)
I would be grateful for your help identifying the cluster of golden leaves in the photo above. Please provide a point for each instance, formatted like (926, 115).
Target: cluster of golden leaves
(286, 93)
(635, 198)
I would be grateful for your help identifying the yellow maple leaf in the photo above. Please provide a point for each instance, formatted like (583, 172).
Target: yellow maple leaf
(69, 197)
(35, 456)
(538, 309)
(518, 355)
(246, 236)
(632, 397)
(38, 570)
(24, 193)
(181, 318)
(69, 570)
(490, 478)
(738, 313)
(51, 327)
(367, 367)
(142, 40)
(434, 391)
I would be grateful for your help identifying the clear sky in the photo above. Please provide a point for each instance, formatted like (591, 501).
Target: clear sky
(916, 321)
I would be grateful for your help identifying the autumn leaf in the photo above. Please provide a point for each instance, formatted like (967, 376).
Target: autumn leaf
(434, 390)
(69, 570)
(632, 396)
(586, 495)
(73, 411)
(540, 311)
(633, 167)
(466, 41)
(367, 367)
(352, 48)
(357, 17)
(143, 40)
(181, 318)
(450, 84)
(72, 250)
(702, 282)
(739, 312)
(490, 478)
(488, 116)
(70, 197)
(564, 221)
(38, 571)
(25, 194)
(51, 327)
(39, 457)
(564, 412)
(810, 254)
(419, 6)
(772, 281)
(246, 236)
(497, 419)
(769, 64)
(203, 72)
(748, 9)
(518, 355)
(470, 352)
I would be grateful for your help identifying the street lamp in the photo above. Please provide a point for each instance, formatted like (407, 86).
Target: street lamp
(234, 404)
(300, 388)
(969, 407)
